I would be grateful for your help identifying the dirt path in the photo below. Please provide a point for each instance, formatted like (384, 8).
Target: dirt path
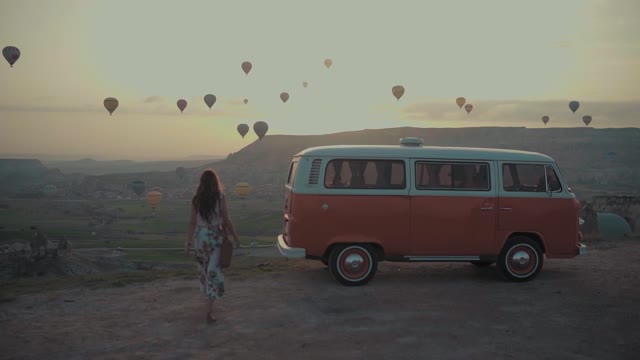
(585, 308)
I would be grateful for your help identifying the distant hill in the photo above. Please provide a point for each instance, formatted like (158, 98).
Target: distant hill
(594, 161)
(28, 174)
(95, 167)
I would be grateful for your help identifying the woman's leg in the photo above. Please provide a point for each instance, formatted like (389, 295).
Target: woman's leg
(211, 308)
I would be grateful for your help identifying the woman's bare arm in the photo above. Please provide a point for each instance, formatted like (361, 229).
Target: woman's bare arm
(192, 226)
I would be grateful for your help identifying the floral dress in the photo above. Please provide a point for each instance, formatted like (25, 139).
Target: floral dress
(208, 240)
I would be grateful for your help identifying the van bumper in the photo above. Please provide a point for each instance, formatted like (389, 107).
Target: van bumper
(582, 249)
(290, 252)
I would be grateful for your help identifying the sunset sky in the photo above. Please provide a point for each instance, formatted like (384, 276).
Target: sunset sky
(515, 61)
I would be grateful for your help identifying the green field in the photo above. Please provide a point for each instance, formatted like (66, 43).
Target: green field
(130, 224)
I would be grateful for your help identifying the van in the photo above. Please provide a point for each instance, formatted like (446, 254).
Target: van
(353, 206)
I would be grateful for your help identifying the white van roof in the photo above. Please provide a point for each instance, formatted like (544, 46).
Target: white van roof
(431, 152)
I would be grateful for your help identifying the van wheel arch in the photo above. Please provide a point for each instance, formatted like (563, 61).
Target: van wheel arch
(533, 236)
(377, 247)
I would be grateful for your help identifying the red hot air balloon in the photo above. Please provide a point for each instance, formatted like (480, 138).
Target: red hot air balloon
(586, 119)
(545, 119)
(182, 104)
(246, 67)
(468, 108)
(284, 97)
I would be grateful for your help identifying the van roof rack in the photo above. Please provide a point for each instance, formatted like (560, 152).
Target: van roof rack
(411, 141)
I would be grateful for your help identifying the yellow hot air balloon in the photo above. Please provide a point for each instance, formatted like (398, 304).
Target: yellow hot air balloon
(398, 91)
(153, 198)
(243, 189)
(328, 63)
(460, 101)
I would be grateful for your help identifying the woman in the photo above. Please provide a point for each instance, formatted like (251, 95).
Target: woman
(209, 217)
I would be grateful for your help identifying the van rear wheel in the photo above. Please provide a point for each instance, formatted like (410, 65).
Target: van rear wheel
(353, 264)
(521, 259)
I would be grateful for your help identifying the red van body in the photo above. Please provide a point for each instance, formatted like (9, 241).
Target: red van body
(354, 206)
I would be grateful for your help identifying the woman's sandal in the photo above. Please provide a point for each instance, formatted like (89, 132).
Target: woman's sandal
(210, 319)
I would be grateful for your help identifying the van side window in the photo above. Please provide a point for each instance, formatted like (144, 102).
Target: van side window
(365, 174)
(523, 177)
(452, 176)
(552, 180)
(292, 173)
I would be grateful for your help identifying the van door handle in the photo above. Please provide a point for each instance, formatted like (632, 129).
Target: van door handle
(505, 209)
(486, 208)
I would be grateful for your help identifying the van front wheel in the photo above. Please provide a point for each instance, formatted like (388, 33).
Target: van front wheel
(354, 264)
(521, 259)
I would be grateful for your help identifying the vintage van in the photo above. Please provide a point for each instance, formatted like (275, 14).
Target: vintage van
(353, 206)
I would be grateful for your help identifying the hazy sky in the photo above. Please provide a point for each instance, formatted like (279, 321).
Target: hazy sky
(513, 60)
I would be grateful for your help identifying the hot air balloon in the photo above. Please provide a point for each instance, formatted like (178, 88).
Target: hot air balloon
(182, 104)
(398, 91)
(181, 172)
(153, 198)
(260, 128)
(49, 189)
(243, 189)
(243, 129)
(111, 104)
(138, 187)
(246, 67)
(284, 97)
(545, 119)
(468, 108)
(209, 99)
(305, 84)
(460, 101)
(574, 105)
(586, 119)
(245, 101)
(328, 63)
(11, 54)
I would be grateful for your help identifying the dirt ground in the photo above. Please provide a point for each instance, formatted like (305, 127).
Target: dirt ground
(583, 308)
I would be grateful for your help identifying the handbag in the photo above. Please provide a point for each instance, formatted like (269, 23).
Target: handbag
(226, 249)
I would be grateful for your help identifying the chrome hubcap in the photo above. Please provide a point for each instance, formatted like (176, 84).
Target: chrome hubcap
(354, 263)
(520, 259)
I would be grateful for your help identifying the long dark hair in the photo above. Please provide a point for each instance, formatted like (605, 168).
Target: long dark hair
(209, 192)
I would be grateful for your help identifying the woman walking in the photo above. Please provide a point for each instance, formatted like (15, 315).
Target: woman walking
(209, 223)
